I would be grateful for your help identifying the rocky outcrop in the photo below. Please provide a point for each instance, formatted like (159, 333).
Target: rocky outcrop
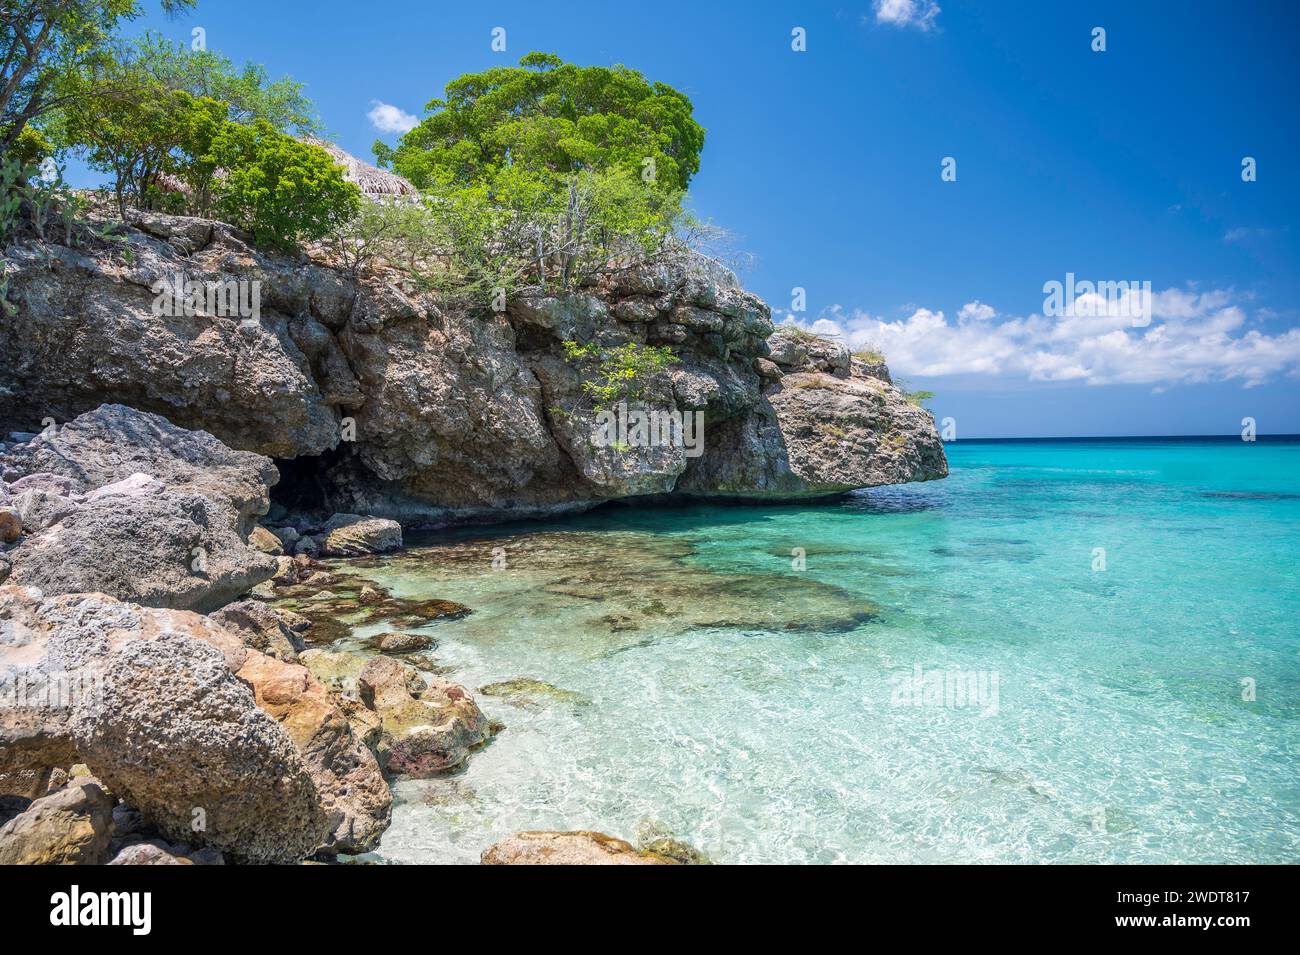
(214, 742)
(422, 410)
(568, 848)
(125, 503)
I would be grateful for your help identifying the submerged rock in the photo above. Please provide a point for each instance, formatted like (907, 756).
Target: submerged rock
(394, 642)
(568, 848)
(526, 692)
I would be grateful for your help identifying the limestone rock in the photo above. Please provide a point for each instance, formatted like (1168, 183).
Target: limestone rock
(114, 443)
(263, 628)
(170, 550)
(11, 525)
(153, 852)
(351, 535)
(161, 517)
(393, 642)
(459, 413)
(265, 541)
(351, 788)
(426, 735)
(39, 509)
(567, 848)
(258, 761)
(70, 827)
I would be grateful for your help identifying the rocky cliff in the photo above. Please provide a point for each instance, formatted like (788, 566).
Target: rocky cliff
(376, 398)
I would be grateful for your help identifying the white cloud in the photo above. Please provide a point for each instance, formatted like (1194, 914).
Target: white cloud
(975, 311)
(1245, 233)
(907, 13)
(1192, 337)
(390, 119)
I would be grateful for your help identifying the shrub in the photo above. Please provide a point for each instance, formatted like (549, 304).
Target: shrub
(282, 190)
(620, 373)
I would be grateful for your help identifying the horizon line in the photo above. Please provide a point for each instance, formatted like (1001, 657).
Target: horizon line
(1128, 437)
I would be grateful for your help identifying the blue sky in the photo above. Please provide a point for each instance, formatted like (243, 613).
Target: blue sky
(825, 167)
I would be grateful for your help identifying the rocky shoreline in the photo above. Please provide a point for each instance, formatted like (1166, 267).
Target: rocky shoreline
(173, 688)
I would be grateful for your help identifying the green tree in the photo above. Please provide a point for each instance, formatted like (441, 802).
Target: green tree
(247, 91)
(552, 119)
(282, 190)
(45, 41)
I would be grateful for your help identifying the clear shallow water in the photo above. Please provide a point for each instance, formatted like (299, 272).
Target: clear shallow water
(755, 711)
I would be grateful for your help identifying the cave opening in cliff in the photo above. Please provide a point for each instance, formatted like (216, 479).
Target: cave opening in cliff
(307, 483)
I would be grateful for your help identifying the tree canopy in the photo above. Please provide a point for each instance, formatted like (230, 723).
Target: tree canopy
(551, 119)
(43, 41)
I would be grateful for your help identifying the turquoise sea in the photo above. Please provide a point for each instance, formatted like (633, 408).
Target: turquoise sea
(956, 674)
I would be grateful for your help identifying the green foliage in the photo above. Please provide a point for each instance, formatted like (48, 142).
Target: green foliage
(551, 119)
(247, 92)
(619, 373)
(282, 190)
(915, 398)
(44, 42)
(542, 177)
(397, 233)
(870, 354)
(124, 122)
(150, 110)
(31, 146)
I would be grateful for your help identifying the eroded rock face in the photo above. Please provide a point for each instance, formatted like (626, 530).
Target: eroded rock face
(458, 414)
(568, 848)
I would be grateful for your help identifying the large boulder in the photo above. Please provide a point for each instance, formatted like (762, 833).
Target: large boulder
(351, 535)
(172, 550)
(72, 826)
(351, 787)
(567, 848)
(127, 504)
(114, 443)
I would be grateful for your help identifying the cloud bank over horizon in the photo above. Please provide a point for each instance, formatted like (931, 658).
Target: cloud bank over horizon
(1191, 338)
